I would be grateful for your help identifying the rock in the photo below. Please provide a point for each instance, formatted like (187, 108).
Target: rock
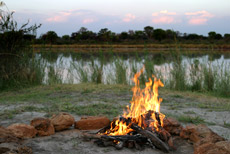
(43, 126)
(225, 145)
(172, 126)
(14, 148)
(200, 134)
(8, 147)
(90, 123)
(62, 121)
(22, 130)
(24, 150)
(222, 147)
(205, 140)
(7, 136)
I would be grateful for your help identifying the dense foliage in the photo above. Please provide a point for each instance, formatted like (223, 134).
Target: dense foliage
(147, 35)
(14, 49)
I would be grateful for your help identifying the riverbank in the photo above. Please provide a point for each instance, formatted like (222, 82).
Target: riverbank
(121, 48)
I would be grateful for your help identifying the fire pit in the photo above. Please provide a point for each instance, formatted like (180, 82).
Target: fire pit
(142, 122)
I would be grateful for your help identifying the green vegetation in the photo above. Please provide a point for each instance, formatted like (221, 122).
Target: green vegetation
(190, 119)
(227, 125)
(148, 35)
(99, 99)
(18, 66)
(81, 99)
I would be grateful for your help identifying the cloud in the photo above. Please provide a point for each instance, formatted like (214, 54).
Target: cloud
(61, 17)
(88, 20)
(167, 13)
(198, 17)
(164, 17)
(69, 15)
(129, 17)
(163, 20)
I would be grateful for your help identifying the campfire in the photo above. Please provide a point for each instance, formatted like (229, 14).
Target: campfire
(141, 123)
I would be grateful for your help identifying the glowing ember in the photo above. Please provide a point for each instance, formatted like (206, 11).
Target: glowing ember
(145, 102)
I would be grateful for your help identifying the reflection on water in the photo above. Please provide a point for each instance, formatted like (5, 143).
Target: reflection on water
(111, 68)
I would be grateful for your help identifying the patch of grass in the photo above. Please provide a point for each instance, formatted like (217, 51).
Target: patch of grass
(9, 114)
(93, 109)
(227, 125)
(217, 106)
(175, 105)
(86, 91)
(210, 123)
(189, 112)
(177, 96)
(190, 119)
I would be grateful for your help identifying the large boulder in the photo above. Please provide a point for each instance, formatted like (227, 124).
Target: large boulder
(43, 126)
(7, 135)
(91, 123)
(10, 144)
(205, 140)
(22, 130)
(172, 126)
(62, 121)
(200, 134)
(222, 147)
(14, 148)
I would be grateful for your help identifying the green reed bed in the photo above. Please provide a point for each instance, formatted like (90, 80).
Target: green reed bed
(176, 73)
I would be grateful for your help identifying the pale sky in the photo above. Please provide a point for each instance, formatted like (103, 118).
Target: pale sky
(67, 16)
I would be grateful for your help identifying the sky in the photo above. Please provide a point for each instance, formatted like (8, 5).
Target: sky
(67, 16)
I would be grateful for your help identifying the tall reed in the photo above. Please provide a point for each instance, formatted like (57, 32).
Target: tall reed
(120, 69)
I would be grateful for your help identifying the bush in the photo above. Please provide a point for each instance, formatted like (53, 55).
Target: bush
(17, 66)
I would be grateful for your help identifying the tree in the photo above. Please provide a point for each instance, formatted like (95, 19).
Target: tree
(227, 37)
(149, 31)
(170, 34)
(140, 35)
(124, 36)
(193, 37)
(50, 37)
(66, 37)
(83, 34)
(218, 36)
(13, 38)
(212, 35)
(159, 34)
(105, 35)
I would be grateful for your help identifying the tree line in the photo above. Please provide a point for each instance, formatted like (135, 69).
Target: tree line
(147, 35)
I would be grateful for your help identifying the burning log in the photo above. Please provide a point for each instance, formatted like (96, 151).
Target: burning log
(137, 138)
(118, 141)
(119, 145)
(153, 137)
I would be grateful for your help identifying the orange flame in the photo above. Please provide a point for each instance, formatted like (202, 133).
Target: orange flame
(143, 101)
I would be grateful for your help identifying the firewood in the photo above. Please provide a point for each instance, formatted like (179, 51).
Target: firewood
(137, 146)
(103, 130)
(170, 143)
(130, 144)
(88, 136)
(153, 137)
(107, 143)
(136, 138)
(119, 145)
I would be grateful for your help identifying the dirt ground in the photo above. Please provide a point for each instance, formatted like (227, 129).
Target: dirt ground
(187, 107)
